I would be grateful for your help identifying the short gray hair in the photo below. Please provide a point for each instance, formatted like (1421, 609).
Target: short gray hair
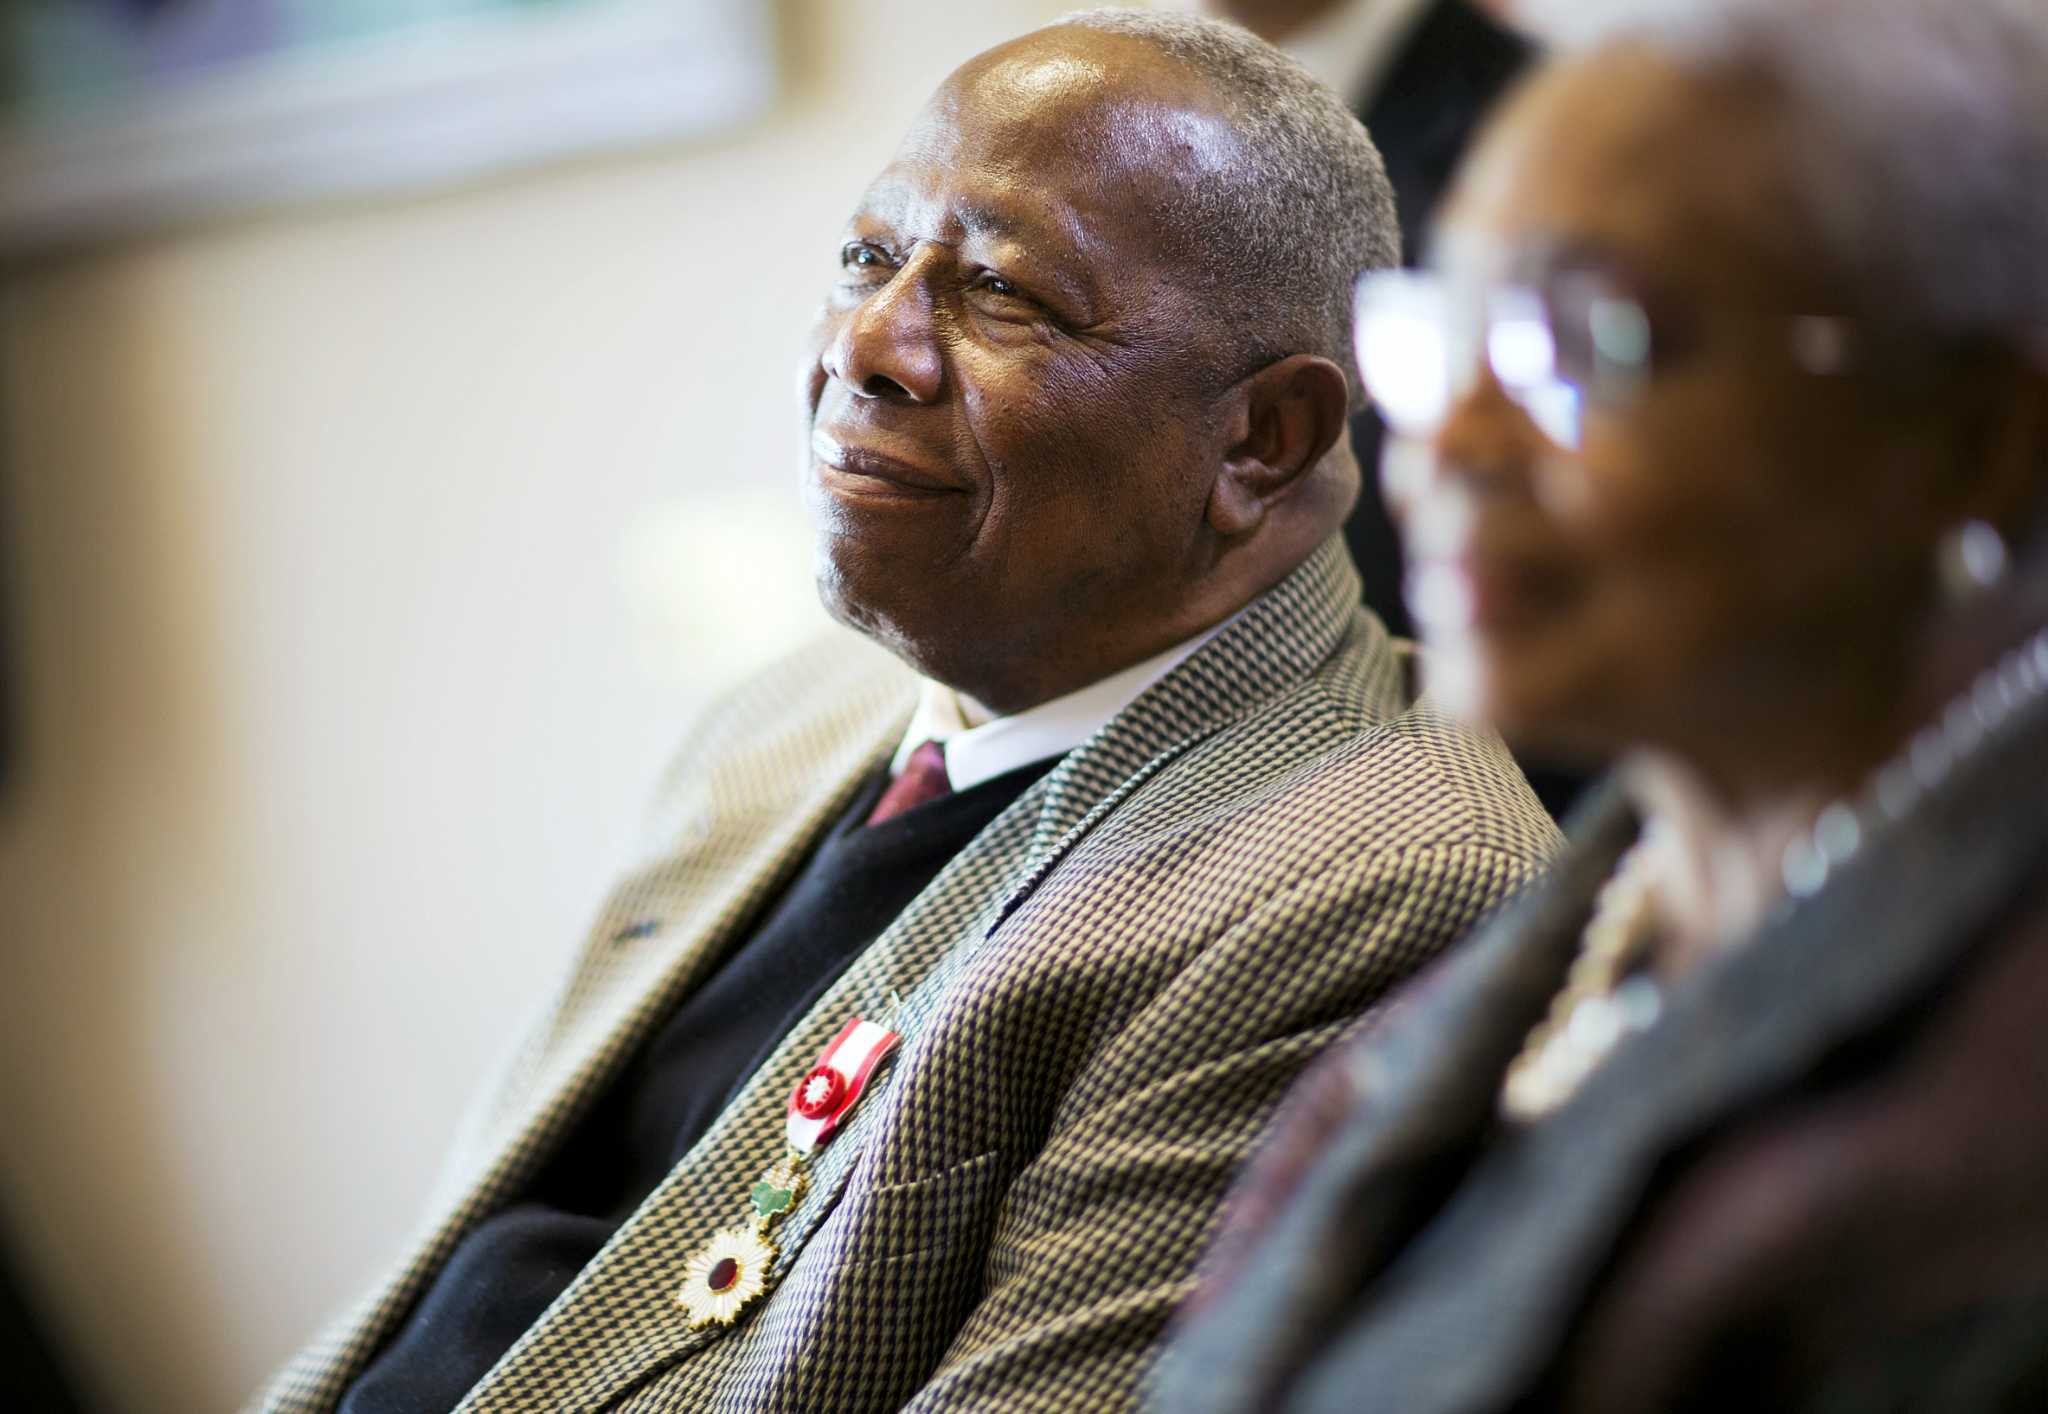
(1917, 142)
(1276, 240)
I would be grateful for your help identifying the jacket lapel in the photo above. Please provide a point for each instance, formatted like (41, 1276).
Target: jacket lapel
(618, 1322)
(671, 921)
(1523, 1238)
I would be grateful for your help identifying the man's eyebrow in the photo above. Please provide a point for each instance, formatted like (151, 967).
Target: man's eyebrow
(1045, 225)
(988, 220)
(1051, 226)
(1052, 240)
(1048, 235)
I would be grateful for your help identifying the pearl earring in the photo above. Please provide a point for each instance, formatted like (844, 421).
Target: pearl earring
(1970, 559)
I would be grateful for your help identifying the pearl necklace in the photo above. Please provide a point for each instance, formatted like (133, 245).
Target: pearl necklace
(1606, 998)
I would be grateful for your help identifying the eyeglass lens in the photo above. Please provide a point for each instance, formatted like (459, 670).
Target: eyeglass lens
(1552, 349)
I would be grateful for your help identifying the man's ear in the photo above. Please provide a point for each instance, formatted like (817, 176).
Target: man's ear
(1280, 423)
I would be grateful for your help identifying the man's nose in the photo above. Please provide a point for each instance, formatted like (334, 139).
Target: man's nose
(887, 346)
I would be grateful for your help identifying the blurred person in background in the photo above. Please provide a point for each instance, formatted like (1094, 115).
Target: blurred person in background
(1733, 380)
(1421, 75)
(910, 1069)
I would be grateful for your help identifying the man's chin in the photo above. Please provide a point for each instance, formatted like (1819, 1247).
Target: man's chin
(845, 608)
(858, 606)
(934, 633)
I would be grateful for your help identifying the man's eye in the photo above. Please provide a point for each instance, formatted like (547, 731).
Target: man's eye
(860, 256)
(998, 286)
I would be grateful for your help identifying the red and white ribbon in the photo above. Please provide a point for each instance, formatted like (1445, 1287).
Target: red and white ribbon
(825, 1096)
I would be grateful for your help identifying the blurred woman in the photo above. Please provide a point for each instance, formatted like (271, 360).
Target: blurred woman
(1724, 421)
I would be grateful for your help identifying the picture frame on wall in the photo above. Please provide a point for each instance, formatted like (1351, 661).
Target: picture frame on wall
(125, 115)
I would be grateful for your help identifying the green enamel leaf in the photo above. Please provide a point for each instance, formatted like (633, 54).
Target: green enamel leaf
(770, 1200)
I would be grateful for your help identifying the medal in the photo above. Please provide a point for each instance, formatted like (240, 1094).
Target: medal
(730, 1272)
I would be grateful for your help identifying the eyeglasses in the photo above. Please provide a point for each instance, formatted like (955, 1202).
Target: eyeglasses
(1573, 344)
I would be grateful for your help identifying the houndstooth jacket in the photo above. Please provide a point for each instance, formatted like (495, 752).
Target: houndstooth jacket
(1101, 1000)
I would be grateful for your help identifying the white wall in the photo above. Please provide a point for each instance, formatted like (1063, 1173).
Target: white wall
(361, 566)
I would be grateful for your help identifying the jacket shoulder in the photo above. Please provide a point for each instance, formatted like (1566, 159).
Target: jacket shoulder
(773, 727)
(1424, 778)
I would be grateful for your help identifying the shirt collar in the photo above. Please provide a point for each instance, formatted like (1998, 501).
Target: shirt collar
(980, 747)
(1351, 48)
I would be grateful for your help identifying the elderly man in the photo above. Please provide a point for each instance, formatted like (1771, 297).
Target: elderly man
(910, 1068)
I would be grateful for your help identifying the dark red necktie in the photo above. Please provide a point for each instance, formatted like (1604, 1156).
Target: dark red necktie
(923, 780)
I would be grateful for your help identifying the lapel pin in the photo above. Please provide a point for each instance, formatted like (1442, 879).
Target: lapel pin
(730, 1272)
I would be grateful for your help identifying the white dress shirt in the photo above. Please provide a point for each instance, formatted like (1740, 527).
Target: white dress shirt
(980, 747)
(1351, 47)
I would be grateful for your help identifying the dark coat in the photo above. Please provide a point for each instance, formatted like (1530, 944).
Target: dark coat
(1819, 1183)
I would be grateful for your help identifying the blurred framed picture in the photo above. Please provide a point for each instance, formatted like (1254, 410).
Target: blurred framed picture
(118, 115)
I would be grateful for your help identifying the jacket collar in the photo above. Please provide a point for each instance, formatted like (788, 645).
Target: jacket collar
(980, 746)
(1273, 646)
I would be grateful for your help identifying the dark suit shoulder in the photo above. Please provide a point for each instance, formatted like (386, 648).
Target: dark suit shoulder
(1456, 64)
(1875, 1238)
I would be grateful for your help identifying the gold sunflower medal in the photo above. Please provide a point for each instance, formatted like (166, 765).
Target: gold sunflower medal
(730, 1272)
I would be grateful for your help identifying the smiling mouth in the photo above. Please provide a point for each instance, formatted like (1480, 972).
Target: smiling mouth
(869, 475)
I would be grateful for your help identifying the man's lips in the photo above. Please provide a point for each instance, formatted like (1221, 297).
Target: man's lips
(856, 470)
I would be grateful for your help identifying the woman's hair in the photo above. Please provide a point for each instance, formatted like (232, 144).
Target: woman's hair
(1915, 133)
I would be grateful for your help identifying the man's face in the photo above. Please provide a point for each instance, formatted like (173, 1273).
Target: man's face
(1011, 447)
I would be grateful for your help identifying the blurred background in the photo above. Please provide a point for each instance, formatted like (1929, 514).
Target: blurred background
(362, 556)
(397, 444)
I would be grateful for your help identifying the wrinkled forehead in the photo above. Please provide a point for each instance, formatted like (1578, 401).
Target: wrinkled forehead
(1065, 133)
(1621, 157)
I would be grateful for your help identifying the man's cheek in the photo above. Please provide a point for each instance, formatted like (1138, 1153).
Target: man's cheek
(810, 374)
(1074, 438)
